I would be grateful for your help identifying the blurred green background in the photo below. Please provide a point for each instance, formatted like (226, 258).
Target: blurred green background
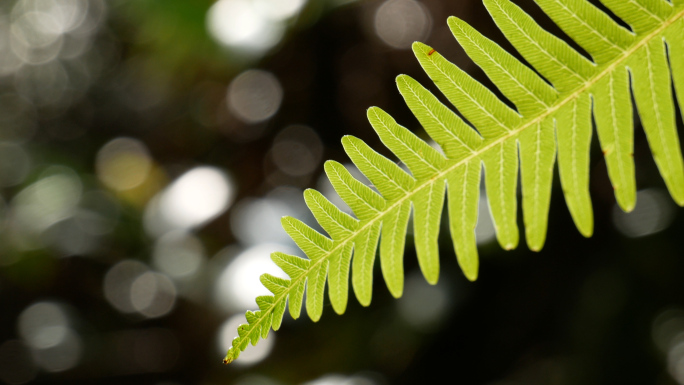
(148, 149)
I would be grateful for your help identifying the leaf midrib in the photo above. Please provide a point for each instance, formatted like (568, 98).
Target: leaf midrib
(559, 103)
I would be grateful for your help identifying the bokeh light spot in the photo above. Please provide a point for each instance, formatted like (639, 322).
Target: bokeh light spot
(238, 285)
(33, 38)
(257, 220)
(666, 326)
(178, 254)
(153, 294)
(63, 356)
(485, 231)
(399, 23)
(423, 306)
(653, 213)
(53, 198)
(240, 24)
(675, 359)
(118, 281)
(297, 150)
(338, 379)
(45, 328)
(43, 325)
(123, 163)
(254, 96)
(196, 197)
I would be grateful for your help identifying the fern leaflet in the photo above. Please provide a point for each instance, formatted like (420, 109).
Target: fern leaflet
(553, 114)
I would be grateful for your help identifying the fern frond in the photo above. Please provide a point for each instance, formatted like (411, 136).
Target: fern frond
(554, 105)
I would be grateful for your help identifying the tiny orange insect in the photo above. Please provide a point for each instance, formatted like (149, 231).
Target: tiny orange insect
(431, 52)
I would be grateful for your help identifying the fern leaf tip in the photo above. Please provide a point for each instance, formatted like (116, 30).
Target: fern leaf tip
(490, 3)
(423, 53)
(535, 241)
(276, 255)
(349, 139)
(471, 275)
(339, 310)
(587, 232)
(373, 111)
(454, 21)
(627, 207)
(470, 268)
(418, 46)
(401, 78)
(679, 201)
(330, 165)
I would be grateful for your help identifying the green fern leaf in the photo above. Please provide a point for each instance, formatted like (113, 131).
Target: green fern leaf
(554, 105)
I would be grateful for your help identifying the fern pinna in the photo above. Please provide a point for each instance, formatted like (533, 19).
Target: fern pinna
(553, 113)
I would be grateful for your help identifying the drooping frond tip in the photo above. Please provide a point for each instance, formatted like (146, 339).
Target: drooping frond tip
(554, 105)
